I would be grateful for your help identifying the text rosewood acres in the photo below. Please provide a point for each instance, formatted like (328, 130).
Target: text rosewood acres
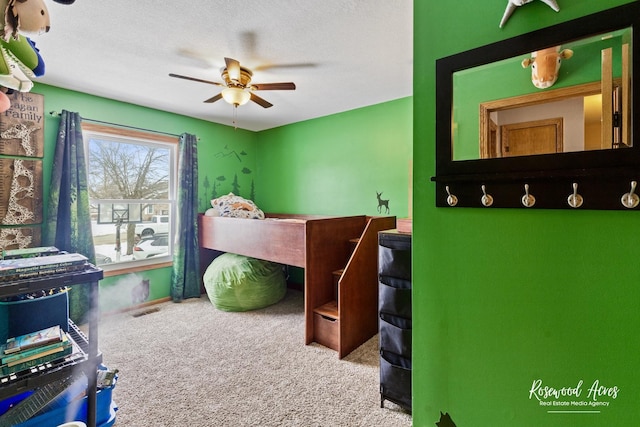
(544, 392)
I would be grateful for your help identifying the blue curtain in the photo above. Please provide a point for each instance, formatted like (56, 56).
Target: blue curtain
(185, 278)
(68, 220)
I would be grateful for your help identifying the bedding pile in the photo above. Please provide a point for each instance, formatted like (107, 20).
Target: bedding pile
(239, 283)
(234, 207)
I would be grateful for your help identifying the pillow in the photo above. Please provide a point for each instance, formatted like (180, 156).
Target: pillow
(235, 207)
(239, 283)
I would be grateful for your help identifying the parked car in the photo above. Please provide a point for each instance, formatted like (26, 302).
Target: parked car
(103, 259)
(157, 224)
(157, 244)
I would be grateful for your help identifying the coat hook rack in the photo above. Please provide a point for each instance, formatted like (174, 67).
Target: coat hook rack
(528, 200)
(487, 199)
(575, 200)
(630, 200)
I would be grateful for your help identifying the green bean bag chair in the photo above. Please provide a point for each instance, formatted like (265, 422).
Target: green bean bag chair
(239, 283)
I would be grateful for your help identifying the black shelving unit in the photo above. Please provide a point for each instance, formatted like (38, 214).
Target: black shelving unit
(85, 357)
(394, 309)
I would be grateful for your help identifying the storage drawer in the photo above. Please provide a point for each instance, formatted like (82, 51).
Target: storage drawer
(395, 378)
(326, 331)
(394, 262)
(395, 339)
(394, 300)
(393, 239)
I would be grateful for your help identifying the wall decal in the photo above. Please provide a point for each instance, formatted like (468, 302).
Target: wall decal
(20, 191)
(140, 292)
(445, 420)
(223, 184)
(230, 153)
(22, 126)
(382, 203)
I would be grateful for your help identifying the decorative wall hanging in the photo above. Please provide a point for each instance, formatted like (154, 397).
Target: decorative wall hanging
(20, 191)
(512, 4)
(545, 65)
(22, 126)
(20, 237)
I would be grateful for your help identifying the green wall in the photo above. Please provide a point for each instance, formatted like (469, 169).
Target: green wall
(225, 156)
(504, 297)
(331, 165)
(334, 165)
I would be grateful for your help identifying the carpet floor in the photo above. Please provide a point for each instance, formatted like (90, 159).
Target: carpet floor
(189, 364)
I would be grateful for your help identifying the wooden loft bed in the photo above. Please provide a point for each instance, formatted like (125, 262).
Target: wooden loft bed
(332, 250)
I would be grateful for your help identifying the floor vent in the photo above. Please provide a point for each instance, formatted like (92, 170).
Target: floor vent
(143, 312)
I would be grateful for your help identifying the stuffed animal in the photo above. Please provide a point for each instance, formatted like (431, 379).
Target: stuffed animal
(512, 4)
(20, 60)
(545, 65)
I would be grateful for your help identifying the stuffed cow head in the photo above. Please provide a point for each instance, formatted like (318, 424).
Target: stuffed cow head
(545, 65)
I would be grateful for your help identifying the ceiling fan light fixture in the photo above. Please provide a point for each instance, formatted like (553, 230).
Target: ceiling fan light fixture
(236, 96)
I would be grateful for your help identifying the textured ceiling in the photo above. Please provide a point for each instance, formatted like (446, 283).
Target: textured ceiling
(341, 54)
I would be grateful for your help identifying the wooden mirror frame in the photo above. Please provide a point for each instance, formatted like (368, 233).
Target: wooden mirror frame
(602, 176)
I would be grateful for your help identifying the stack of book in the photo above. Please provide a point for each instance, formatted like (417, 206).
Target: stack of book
(33, 349)
(30, 267)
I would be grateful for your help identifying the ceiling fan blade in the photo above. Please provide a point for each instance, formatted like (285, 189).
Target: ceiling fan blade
(195, 80)
(265, 67)
(233, 69)
(262, 102)
(274, 86)
(213, 98)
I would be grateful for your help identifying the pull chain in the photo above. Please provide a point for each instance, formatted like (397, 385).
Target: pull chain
(235, 117)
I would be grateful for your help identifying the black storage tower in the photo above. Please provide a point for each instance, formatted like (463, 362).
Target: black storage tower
(394, 309)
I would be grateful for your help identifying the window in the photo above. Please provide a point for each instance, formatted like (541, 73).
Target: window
(131, 178)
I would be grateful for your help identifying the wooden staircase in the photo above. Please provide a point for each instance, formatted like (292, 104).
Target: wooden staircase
(350, 318)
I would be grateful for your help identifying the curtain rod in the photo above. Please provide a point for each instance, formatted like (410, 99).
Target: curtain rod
(56, 114)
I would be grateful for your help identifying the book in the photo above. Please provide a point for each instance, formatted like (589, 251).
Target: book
(36, 356)
(51, 356)
(34, 339)
(29, 252)
(23, 268)
(34, 351)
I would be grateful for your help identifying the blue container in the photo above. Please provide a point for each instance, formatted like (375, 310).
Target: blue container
(26, 316)
(67, 407)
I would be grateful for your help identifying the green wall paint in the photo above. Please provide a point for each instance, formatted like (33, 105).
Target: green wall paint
(503, 297)
(334, 165)
(222, 152)
(330, 165)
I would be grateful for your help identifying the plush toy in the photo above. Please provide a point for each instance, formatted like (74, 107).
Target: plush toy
(512, 4)
(20, 60)
(545, 65)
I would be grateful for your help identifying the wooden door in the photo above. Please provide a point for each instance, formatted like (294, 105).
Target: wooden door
(535, 137)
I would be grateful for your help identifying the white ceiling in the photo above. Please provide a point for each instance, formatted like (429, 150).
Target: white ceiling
(341, 54)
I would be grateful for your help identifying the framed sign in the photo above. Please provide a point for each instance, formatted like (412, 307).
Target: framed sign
(22, 126)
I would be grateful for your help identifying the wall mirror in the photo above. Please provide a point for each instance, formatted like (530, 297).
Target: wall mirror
(500, 126)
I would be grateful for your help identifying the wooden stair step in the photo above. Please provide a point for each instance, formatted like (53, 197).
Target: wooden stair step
(329, 310)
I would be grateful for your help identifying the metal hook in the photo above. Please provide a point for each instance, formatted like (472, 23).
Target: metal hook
(630, 200)
(575, 200)
(486, 199)
(451, 200)
(528, 200)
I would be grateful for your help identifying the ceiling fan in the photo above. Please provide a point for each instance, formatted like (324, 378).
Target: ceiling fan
(238, 89)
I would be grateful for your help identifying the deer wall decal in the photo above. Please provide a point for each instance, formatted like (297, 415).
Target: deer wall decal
(382, 203)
